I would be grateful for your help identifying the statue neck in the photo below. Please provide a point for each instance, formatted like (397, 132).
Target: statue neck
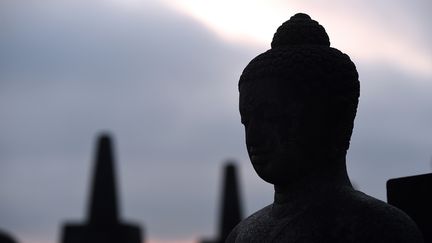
(322, 180)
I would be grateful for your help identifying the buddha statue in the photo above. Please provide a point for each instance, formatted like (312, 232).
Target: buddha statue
(298, 102)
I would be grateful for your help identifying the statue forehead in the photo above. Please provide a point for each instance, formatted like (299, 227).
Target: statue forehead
(275, 91)
(269, 87)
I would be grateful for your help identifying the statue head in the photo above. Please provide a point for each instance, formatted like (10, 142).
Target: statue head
(298, 102)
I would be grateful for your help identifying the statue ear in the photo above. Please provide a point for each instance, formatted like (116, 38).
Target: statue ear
(341, 123)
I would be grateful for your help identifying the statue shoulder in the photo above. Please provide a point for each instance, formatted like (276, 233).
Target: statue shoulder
(378, 221)
(256, 223)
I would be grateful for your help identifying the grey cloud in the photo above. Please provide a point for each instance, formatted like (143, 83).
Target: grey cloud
(392, 130)
(163, 84)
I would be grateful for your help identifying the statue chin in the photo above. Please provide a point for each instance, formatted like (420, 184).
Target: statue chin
(278, 169)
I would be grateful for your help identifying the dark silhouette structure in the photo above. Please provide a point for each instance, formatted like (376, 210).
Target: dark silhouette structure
(413, 195)
(298, 102)
(103, 224)
(5, 238)
(231, 210)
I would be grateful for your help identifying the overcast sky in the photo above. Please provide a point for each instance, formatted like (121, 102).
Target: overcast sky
(161, 77)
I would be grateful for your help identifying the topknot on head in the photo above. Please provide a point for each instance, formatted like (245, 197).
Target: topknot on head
(300, 29)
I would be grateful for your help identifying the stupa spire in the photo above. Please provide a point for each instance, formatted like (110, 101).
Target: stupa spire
(103, 199)
(231, 213)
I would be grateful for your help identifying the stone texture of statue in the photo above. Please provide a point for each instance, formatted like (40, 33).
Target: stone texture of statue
(298, 102)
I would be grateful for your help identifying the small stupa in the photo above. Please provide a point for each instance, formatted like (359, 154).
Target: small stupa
(103, 223)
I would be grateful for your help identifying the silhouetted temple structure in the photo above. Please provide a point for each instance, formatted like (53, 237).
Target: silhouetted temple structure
(4, 238)
(231, 210)
(103, 224)
(413, 195)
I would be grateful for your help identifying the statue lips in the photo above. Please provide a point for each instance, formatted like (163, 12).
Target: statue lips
(259, 155)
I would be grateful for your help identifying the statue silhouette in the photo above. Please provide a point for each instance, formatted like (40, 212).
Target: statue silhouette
(298, 102)
(231, 212)
(103, 224)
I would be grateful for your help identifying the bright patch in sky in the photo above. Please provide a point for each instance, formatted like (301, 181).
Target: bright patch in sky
(354, 32)
(244, 20)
